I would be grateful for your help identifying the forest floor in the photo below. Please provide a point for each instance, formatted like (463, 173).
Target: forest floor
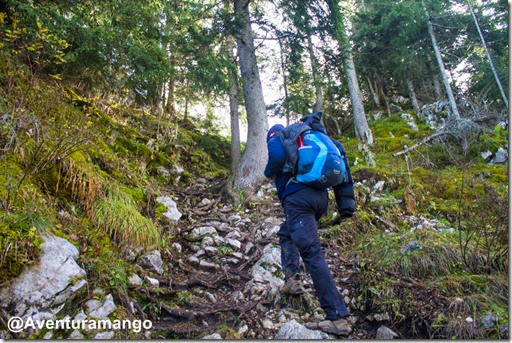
(218, 293)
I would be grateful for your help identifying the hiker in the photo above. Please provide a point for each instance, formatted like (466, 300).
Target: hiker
(304, 205)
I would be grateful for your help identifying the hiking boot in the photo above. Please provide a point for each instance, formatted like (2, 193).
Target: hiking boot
(340, 327)
(293, 286)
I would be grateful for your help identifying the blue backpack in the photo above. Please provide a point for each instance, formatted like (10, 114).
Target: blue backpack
(311, 155)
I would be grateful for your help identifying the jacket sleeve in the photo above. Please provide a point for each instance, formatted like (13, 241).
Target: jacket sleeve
(344, 192)
(276, 157)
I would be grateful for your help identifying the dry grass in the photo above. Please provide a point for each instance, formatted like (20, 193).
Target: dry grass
(84, 182)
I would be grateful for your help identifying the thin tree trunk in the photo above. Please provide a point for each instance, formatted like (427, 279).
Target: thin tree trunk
(285, 84)
(437, 87)
(451, 98)
(249, 174)
(498, 82)
(170, 97)
(412, 95)
(319, 101)
(375, 97)
(233, 108)
(362, 130)
(380, 90)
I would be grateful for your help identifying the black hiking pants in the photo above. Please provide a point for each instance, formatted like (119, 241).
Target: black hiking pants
(298, 235)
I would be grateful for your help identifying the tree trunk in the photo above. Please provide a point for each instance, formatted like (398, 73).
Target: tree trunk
(233, 108)
(373, 93)
(379, 86)
(319, 101)
(285, 84)
(249, 174)
(498, 82)
(437, 87)
(363, 132)
(169, 108)
(412, 95)
(448, 88)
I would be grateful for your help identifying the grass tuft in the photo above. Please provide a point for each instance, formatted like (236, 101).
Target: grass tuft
(117, 214)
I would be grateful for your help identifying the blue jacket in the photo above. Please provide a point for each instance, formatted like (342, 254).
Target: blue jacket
(344, 193)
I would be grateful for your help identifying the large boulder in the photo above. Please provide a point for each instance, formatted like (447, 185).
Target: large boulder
(41, 291)
(294, 330)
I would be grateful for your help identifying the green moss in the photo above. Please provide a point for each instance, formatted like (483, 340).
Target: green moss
(20, 241)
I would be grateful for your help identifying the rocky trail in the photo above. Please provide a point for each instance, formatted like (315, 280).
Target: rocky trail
(224, 273)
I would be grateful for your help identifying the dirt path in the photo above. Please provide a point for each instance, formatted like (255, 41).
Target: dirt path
(225, 278)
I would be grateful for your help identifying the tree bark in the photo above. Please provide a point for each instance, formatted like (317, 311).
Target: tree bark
(169, 108)
(498, 82)
(233, 109)
(285, 83)
(362, 130)
(319, 101)
(412, 95)
(249, 174)
(373, 93)
(442, 70)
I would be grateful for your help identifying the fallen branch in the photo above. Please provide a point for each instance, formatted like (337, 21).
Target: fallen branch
(423, 141)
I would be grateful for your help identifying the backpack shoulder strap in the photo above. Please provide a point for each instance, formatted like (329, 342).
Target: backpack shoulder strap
(291, 146)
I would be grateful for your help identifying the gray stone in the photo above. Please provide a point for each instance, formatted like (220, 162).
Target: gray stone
(233, 235)
(200, 232)
(234, 243)
(395, 108)
(204, 202)
(213, 336)
(48, 335)
(485, 155)
(243, 329)
(92, 305)
(504, 331)
(248, 247)
(489, 321)
(153, 282)
(193, 259)
(411, 246)
(378, 187)
(434, 114)
(135, 280)
(153, 261)
(207, 241)
(176, 246)
(384, 332)
(207, 264)
(211, 251)
(266, 269)
(105, 335)
(76, 335)
(501, 156)
(296, 331)
(106, 309)
(163, 171)
(53, 281)
(172, 208)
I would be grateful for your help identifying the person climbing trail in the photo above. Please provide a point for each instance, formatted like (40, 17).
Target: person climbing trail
(304, 204)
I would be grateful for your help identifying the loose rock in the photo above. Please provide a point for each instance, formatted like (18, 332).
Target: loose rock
(384, 332)
(294, 330)
(172, 208)
(152, 261)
